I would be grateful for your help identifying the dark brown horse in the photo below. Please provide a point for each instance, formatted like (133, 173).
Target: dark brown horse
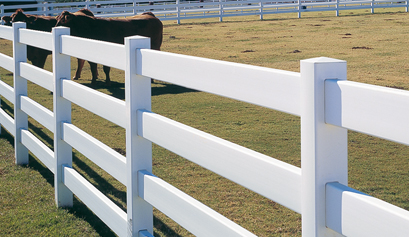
(38, 56)
(113, 30)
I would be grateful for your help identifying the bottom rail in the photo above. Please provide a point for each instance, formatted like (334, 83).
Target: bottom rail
(102, 206)
(185, 210)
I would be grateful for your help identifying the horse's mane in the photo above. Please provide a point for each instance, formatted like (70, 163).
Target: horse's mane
(148, 13)
(86, 12)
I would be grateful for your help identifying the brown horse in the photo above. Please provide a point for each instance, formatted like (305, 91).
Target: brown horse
(38, 56)
(113, 30)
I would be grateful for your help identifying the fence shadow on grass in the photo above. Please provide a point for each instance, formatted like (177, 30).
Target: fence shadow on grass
(170, 89)
(6, 107)
(79, 209)
(117, 89)
(163, 228)
(101, 183)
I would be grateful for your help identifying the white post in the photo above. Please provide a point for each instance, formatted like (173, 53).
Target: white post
(138, 149)
(337, 7)
(221, 10)
(261, 9)
(86, 4)
(178, 10)
(1, 11)
(324, 148)
(299, 8)
(62, 114)
(20, 89)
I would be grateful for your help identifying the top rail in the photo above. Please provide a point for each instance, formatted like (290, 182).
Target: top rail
(370, 109)
(36, 38)
(271, 88)
(6, 32)
(112, 55)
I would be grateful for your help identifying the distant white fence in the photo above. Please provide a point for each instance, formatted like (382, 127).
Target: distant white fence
(182, 10)
(328, 104)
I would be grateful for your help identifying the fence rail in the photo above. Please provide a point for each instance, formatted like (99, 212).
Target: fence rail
(327, 103)
(182, 10)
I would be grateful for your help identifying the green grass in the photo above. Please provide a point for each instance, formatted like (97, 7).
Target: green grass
(375, 48)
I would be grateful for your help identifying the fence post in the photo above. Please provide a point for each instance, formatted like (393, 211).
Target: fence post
(299, 8)
(406, 6)
(337, 7)
(20, 89)
(261, 9)
(323, 146)
(221, 10)
(178, 10)
(138, 149)
(62, 114)
(1, 11)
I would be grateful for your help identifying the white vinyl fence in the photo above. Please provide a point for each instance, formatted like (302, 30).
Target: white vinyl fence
(328, 104)
(181, 10)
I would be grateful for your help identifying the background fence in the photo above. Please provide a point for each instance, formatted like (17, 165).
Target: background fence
(180, 10)
(328, 104)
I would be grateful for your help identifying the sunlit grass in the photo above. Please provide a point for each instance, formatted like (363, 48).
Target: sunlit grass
(375, 48)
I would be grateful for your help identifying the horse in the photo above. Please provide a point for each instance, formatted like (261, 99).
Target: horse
(38, 56)
(113, 30)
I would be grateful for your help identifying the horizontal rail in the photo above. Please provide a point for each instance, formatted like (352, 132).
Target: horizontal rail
(263, 174)
(7, 91)
(353, 213)
(39, 39)
(112, 55)
(102, 206)
(194, 216)
(6, 62)
(7, 122)
(369, 109)
(271, 88)
(6, 32)
(99, 153)
(37, 75)
(41, 114)
(39, 149)
(101, 104)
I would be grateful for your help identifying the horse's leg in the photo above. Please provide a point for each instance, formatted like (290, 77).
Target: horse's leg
(40, 60)
(108, 79)
(80, 63)
(94, 71)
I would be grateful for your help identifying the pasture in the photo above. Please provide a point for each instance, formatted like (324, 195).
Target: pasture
(375, 48)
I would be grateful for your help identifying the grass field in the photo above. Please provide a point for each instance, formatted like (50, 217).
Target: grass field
(375, 48)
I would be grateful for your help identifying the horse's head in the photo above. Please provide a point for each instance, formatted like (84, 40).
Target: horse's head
(20, 16)
(65, 18)
(6, 20)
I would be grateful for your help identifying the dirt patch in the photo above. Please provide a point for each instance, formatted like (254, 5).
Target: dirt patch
(295, 51)
(361, 47)
(248, 51)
